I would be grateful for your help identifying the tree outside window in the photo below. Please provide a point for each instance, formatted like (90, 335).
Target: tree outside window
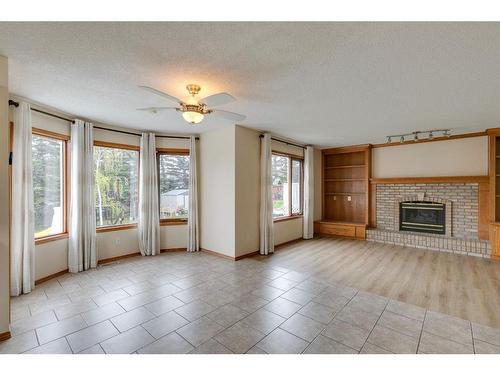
(116, 186)
(48, 161)
(173, 185)
(286, 186)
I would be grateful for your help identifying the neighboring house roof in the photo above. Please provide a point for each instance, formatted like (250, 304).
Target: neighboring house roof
(176, 192)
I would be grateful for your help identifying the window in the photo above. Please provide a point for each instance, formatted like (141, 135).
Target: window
(173, 176)
(116, 190)
(287, 186)
(49, 166)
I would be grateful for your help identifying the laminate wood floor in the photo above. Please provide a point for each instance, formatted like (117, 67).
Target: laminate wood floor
(458, 285)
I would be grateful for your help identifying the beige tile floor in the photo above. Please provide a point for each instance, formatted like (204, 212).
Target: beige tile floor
(198, 303)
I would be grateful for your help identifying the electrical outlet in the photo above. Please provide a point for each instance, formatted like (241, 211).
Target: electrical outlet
(349, 198)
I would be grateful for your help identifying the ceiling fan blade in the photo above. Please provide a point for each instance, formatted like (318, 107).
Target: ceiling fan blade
(156, 109)
(228, 115)
(161, 93)
(218, 99)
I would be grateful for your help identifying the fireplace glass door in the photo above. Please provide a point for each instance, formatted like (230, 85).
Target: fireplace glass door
(421, 216)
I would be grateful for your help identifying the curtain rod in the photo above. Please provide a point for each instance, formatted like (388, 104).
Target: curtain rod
(16, 104)
(285, 142)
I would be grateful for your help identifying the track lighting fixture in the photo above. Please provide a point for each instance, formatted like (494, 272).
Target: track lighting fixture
(416, 135)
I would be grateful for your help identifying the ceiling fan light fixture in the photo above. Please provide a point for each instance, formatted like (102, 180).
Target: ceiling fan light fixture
(193, 117)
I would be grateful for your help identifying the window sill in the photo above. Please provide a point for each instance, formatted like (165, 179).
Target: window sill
(286, 218)
(112, 228)
(166, 222)
(55, 237)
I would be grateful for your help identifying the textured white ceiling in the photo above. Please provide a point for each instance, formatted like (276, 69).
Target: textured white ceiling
(321, 83)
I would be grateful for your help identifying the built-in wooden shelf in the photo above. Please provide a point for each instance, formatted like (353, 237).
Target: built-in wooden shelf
(345, 179)
(347, 166)
(494, 187)
(345, 193)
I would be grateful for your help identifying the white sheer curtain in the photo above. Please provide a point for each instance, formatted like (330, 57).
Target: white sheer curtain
(308, 193)
(266, 197)
(193, 221)
(149, 210)
(82, 238)
(22, 260)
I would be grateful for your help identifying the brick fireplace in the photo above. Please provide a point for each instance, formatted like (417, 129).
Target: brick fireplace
(460, 202)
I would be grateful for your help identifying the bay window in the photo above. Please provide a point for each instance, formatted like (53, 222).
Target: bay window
(49, 184)
(173, 185)
(287, 186)
(116, 190)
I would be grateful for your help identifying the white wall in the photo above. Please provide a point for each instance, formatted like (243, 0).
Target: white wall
(247, 185)
(217, 190)
(52, 257)
(4, 198)
(453, 157)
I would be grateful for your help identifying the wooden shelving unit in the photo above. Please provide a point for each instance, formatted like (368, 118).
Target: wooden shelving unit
(494, 172)
(346, 175)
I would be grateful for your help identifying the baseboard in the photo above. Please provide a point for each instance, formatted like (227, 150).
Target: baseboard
(173, 249)
(288, 243)
(120, 257)
(215, 253)
(247, 255)
(50, 277)
(253, 253)
(5, 336)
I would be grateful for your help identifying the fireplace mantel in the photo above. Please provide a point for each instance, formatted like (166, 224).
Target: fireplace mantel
(431, 180)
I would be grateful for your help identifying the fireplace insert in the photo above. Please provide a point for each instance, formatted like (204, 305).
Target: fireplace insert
(422, 216)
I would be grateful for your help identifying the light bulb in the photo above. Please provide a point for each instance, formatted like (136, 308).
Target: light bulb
(193, 117)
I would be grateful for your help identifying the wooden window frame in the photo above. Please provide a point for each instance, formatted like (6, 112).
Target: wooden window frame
(64, 138)
(291, 158)
(121, 146)
(169, 151)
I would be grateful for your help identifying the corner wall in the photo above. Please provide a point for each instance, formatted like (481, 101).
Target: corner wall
(217, 191)
(247, 184)
(4, 199)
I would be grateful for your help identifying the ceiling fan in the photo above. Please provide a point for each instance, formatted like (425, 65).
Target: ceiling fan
(194, 109)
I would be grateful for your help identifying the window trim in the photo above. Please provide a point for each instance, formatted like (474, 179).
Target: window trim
(291, 158)
(65, 154)
(169, 151)
(121, 146)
